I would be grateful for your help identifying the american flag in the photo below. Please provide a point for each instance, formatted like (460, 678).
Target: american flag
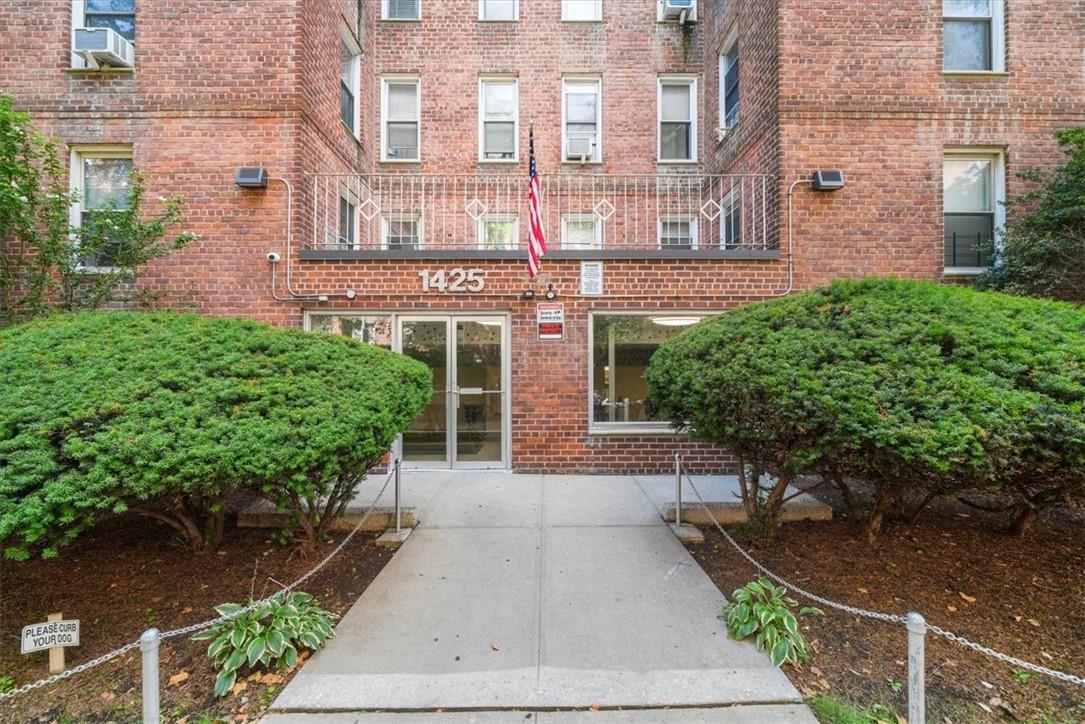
(536, 239)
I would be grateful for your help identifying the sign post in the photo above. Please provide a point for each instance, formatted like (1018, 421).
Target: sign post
(55, 634)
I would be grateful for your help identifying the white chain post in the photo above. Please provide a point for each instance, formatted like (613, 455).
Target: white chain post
(397, 496)
(917, 632)
(149, 643)
(678, 490)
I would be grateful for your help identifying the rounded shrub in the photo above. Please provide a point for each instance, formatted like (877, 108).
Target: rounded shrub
(164, 414)
(916, 389)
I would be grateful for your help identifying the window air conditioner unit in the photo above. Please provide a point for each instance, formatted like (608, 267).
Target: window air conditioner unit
(579, 148)
(103, 47)
(681, 10)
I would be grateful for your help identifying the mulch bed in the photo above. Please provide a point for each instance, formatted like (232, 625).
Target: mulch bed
(128, 576)
(1022, 597)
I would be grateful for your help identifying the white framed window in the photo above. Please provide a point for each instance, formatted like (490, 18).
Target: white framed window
(973, 206)
(622, 344)
(400, 108)
(581, 231)
(499, 119)
(345, 233)
(582, 119)
(401, 9)
(498, 10)
(101, 182)
(677, 104)
(401, 231)
(498, 232)
(350, 61)
(677, 231)
(729, 83)
(730, 220)
(119, 15)
(584, 11)
(973, 36)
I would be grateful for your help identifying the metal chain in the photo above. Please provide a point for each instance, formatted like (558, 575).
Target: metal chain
(888, 617)
(193, 628)
(1012, 660)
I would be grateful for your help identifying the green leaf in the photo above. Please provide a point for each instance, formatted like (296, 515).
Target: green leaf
(275, 643)
(237, 637)
(256, 650)
(288, 659)
(225, 682)
(228, 609)
(237, 658)
(780, 653)
(746, 629)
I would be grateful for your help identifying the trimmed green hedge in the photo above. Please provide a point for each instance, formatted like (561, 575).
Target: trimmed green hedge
(912, 387)
(166, 413)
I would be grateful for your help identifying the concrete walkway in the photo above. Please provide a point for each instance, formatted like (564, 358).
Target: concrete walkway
(537, 592)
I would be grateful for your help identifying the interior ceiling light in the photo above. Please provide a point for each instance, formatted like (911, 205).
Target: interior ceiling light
(675, 321)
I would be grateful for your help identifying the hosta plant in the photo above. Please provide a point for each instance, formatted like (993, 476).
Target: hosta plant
(766, 610)
(269, 636)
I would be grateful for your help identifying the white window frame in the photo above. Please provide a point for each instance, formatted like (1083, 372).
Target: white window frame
(79, 20)
(384, 14)
(356, 79)
(354, 242)
(677, 80)
(730, 43)
(998, 42)
(997, 156)
(647, 427)
(597, 6)
(76, 154)
(400, 80)
(386, 218)
(694, 230)
(579, 218)
(482, 13)
(480, 230)
(498, 80)
(574, 81)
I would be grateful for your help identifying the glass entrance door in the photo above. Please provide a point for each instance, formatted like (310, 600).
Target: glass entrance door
(465, 424)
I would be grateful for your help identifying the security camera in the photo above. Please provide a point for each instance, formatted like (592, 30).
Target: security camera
(273, 257)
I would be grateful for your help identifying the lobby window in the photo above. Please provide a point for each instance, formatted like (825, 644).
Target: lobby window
(101, 179)
(498, 119)
(498, 10)
(677, 120)
(581, 232)
(401, 9)
(729, 94)
(972, 196)
(590, 11)
(677, 232)
(349, 82)
(581, 119)
(972, 36)
(368, 328)
(498, 232)
(401, 231)
(622, 345)
(399, 119)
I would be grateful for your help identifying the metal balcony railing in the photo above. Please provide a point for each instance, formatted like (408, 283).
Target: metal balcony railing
(487, 214)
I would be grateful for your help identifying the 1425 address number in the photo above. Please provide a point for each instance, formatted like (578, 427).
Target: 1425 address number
(456, 279)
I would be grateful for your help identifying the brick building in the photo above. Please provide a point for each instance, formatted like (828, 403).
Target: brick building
(675, 149)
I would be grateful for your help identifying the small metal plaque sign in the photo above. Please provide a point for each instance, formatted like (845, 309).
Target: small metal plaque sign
(551, 320)
(48, 635)
(591, 278)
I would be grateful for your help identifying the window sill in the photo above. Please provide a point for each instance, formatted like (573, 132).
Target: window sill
(582, 163)
(401, 161)
(500, 161)
(371, 254)
(963, 271)
(401, 20)
(582, 22)
(632, 429)
(490, 21)
(676, 162)
(106, 70)
(963, 74)
(722, 134)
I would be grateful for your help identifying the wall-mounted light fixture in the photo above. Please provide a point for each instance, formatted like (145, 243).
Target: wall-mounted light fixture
(251, 177)
(527, 295)
(828, 180)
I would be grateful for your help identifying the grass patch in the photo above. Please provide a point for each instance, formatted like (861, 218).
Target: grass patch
(834, 711)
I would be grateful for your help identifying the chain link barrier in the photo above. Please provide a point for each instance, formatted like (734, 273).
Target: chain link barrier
(193, 628)
(878, 615)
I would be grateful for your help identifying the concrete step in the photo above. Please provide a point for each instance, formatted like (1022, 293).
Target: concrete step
(743, 714)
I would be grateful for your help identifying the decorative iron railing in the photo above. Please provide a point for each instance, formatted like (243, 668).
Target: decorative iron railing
(403, 212)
